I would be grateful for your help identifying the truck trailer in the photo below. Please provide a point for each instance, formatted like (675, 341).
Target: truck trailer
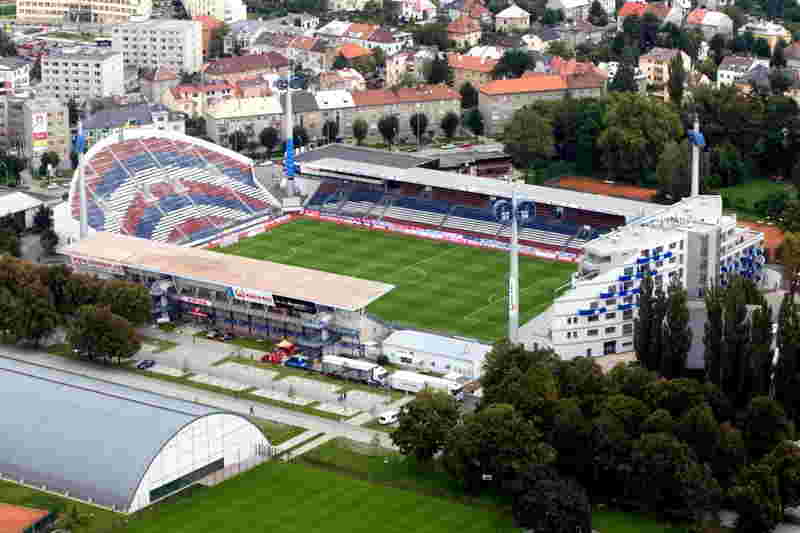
(354, 369)
(412, 382)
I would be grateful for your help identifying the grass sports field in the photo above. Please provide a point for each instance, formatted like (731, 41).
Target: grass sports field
(439, 286)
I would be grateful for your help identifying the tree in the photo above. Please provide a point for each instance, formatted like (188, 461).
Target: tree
(97, 333)
(625, 79)
(419, 125)
(424, 424)
(449, 124)
(49, 241)
(438, 70)
(529, 136)
(130, 301)
(649, 325)
(756, 499)
(469, 96)
(676, 329)
(677, 80)
(330, 130)
(761, 48)
(765, 426)
(700, 430)
(598, 15)
(561, 49)
(300, 135)
(389, 126)
(552, 17)
(360, 129)
(779, 83)
(7, 46)
(432, 34)
(512, 64)
(340, 63)
(638, 129)
(784, 461)
(545, 501)
(778, 59)
(673, 170)
(9, 243)
(269, 138)
(659, 421)
(787, 369)
(761, 351)
(474, 121)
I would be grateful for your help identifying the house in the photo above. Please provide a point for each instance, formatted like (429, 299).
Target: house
(243, 34)
(512, 18)
(792, 55)
(232, 69)
(487, 52)
(339, 106)
(352, 51)
(366, 35)
(710, 23)
(464, 31)
(15, 74)
(582, 31)
(499, 99)
(346, 79)
(412, 63)
(254, 87)
(433, 100)
(655, 64)
(272, 42)
(312, 53)
(154, 83)
(734, 68)
(417, 10)
(472, 69)
(576, 9)
(195, 99)
(568, 67)
(769, 31)
(306, 112)
(540, 41)
(757, 77)
(664, 11)
(248, 115)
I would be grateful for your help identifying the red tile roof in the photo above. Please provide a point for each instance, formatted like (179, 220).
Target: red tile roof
(15, 519)
(182, 91)
(566, 67)
(696, 16)
(361, 31)
(532, 82)
(423, 93)
(352, 51)
(475, 63)
(239, 64)
(463, 24)
(659, 9)
(632, 8)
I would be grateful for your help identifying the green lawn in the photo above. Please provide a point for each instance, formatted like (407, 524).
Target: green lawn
(294, 498)
(439, 286)
(743, 197)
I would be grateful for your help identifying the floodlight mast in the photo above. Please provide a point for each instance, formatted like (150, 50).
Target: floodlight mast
(513, 274)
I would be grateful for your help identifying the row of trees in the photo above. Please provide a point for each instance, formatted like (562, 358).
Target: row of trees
(555, 435)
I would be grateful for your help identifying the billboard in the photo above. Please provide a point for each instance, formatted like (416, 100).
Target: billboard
(39, 131)
(297, 305)
(251, 295)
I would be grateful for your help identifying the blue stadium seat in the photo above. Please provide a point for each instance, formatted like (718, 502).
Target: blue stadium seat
(366, 196)
(474, 213)
(111, 180)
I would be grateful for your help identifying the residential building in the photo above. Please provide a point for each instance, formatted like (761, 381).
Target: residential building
(227, 11)
(464, 31)
(196, 99)
(792, 55)
(15, 74)
(12, 121)
(512, 18)
(757, 77)
(352, 51)
(243, 35)
(691, 243)
(734, 68)
(665, 11)
(540, 40)
(475, 9)
(346, 79)
(248, 115)
(569, 67)
(312, 53)
(499, 99)
(338, 106)
(105, 122)
(99, 11)
(769, 31)
(82, 73)
(410, 62)
(578, 32)
(433, 100)
(416, 10)
(160, 43)
(365, 35)
(347, 5)
(233, 69)
(475, 70)
(487, 52)
(655, 65)
(209, 26)
(46, 129)
(306, 112)
(272, 42)
(577, 9)
(710, 23)
(158, 81)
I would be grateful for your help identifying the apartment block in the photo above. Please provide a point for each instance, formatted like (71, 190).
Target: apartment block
(82, 73)
(177, 44)
(227, 11)
(15, 74)
(105, 122)
(46, 129)
(97, 11)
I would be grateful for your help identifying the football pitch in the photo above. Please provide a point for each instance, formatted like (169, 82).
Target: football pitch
(438, 286)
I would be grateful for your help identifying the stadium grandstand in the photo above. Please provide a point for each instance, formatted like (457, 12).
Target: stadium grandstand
(556, 219)
(167, 187)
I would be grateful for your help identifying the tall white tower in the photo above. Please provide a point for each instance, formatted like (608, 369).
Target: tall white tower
(513, 275)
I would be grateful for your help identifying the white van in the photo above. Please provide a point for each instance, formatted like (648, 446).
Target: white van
(389, 417)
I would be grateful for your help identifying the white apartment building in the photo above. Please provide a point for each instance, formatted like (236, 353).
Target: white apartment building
(98, 11)
(82, 73)
(46, 129)
(176, 44)
(226, 10)
(733, 68)
(690, 241)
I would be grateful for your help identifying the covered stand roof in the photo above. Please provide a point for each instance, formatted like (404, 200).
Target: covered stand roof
(323, 288)
(91, 438)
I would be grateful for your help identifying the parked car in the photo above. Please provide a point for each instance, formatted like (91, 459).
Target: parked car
(389, 417)
(144, 365)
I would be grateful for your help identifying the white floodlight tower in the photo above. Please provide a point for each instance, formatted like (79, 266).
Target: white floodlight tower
(513, 274)
(696, 160)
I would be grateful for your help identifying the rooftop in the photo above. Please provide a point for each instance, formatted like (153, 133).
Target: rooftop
(530, 83)
(349, 152)
(238, 64)
(353, 51)
(660, 54)
(334, 99)
(630, 9)
(158, 24)
(423, 93)
(323, 288)
(452, 347)
(464, 24)
(302, 102)
(485, 186)
(138, 114)
(16, 519)
(474, 63)
(737, 63)
(78, 53)
(245, 107)
(512, 12)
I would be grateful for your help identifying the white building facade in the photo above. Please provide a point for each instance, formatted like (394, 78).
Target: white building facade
(435, 353)
(98, 11)
(691, 243)
(82, 73)
(176, 44)
(228, 11)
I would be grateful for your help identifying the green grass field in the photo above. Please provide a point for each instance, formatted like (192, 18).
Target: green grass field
(744, 196)
(439, 286)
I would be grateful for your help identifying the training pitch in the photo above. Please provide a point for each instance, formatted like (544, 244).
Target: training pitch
(439, 286)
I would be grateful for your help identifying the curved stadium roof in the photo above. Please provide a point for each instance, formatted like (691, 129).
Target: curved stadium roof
(167, 186)
(92, 438)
